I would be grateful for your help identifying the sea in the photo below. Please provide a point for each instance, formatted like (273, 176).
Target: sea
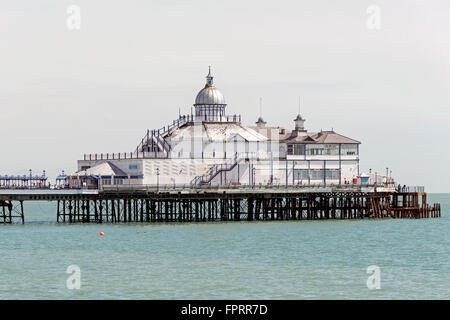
(351, 259)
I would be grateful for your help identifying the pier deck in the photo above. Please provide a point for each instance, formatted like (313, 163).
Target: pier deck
(145, 204)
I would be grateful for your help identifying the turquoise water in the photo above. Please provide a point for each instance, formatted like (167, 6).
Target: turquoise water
(235, 260)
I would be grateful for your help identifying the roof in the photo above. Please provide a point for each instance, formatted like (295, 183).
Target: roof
(209, 95)
(272, 133)
(320, 137)
(102, 169)
(218, 132)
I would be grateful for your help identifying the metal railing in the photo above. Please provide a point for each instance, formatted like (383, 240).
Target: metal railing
(221, 167)
(164, 130)
(189, 187)
(410, 189)
(125, 155)
(158, 134)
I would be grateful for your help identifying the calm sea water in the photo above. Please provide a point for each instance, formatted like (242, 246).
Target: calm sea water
(256, 260)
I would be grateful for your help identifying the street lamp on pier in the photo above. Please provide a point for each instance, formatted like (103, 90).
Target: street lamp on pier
(253, 174)
(157, 179)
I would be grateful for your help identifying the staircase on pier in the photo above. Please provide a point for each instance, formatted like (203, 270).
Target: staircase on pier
(215, 170)
(154, 140)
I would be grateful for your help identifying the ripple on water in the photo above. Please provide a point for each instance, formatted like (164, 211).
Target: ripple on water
(257, 260)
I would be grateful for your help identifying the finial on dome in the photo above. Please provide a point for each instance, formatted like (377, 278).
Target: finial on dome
(209, 78)
(260, 123)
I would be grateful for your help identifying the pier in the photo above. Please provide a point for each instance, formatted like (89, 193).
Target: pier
(23, 181)
(261, 203)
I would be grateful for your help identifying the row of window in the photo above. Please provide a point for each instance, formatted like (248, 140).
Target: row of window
(316, 174)
(326, 149)
(210, 111)
(109, 181)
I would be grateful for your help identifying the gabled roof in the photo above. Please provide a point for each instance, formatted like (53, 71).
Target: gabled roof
(102, 169)
(332, 137)
(237, 136)
(319, 137)
(272, 133)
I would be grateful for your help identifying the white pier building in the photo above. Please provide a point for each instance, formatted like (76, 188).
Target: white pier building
(210, 147)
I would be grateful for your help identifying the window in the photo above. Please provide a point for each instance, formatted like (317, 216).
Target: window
(133, 166)
(349, 149)
(316, 174)
(296, 149)
(290, 149)
(301, 174)
(331, 149)
(299, 149)
(332, 174)
(316, 151)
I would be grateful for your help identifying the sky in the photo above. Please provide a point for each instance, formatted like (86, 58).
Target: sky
(381, 77)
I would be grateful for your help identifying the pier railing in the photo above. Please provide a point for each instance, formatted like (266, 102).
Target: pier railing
(226, 156)
(125, 155)
(241, 187)
(412, 189)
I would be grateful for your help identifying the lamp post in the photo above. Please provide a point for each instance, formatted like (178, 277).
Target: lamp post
(253, 175)
(157, 179)
(30, 178)
(271, 168)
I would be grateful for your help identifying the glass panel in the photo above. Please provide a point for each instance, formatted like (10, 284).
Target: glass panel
(349, 149)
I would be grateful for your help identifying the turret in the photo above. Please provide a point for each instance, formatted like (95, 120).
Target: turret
(299, 123)
(260, 123)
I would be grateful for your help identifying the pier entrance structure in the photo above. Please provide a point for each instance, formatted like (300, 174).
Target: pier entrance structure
(211, 147)
(23, 181)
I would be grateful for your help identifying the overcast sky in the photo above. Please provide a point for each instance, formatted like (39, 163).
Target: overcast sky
(134, 63)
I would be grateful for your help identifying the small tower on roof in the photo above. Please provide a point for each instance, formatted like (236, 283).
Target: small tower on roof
(209, 104)
(260, 123)
(299, 123)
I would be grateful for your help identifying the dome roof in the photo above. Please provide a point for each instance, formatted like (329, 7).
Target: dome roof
(209, 95)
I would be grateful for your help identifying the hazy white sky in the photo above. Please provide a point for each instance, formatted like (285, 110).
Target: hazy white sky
(134, 63)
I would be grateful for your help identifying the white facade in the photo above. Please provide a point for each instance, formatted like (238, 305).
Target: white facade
(212, 148)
